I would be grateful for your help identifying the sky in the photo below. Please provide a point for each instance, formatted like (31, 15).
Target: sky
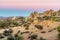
(25, 7)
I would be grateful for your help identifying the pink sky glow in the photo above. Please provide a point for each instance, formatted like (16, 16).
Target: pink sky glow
(27, 4)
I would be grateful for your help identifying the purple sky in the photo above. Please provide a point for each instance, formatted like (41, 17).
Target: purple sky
(30, 4)
(25, 7)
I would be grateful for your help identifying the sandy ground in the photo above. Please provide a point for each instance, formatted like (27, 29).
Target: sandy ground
(48, 35)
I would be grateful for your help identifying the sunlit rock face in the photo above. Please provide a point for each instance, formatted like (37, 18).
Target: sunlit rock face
(58, 13)
(36, 16)
(50, 13)
(14, 18)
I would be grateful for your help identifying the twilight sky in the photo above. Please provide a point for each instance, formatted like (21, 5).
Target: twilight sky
(24, 7)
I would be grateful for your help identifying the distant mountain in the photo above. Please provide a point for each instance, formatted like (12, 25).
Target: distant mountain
(1, 17)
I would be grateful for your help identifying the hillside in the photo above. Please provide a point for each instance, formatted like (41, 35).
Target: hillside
(37, 26)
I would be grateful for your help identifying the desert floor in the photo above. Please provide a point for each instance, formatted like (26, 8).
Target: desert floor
(48, 35)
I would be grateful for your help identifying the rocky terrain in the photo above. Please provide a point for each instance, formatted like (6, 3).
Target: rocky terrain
(37, 26)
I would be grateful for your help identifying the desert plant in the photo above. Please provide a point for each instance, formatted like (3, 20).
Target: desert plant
(39, 27)
(39, 19)
(7, 32)
(10, 38)
(26, 26)
(43, 32)
(20, 37)
(10, 31)
(46, 17)
(34, 36)
(2, 24)
(15, 23)
(1, 36)
(50, 30)
(41, 38)
(58, 29)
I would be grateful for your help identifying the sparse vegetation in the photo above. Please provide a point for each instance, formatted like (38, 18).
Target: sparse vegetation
(1, 36)
(34, 36)
(58, 29)
(43, 32)
(25, 22)
(39, 27)
(10, 38)
(8, 32)
(50, 30)
(41, 38)
(26, 26)
(20, 37)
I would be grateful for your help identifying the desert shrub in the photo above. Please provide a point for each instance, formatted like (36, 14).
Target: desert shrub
(58, 36)
(26, 26)
(7, 32)
(2, 24)
(16, 35)
(39, 27)
(58, 29)
(46, 17)
(34, 36)
(1, 36)
(55, 19)
(24, 32)
(41, 38)
(43, 32)
(10, 31)
(54, 28)
(15, 23)
(20, 37)
(50, 30)
(10, 38)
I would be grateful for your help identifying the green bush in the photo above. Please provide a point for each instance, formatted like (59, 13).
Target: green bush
(58, 28)
(20, 37)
